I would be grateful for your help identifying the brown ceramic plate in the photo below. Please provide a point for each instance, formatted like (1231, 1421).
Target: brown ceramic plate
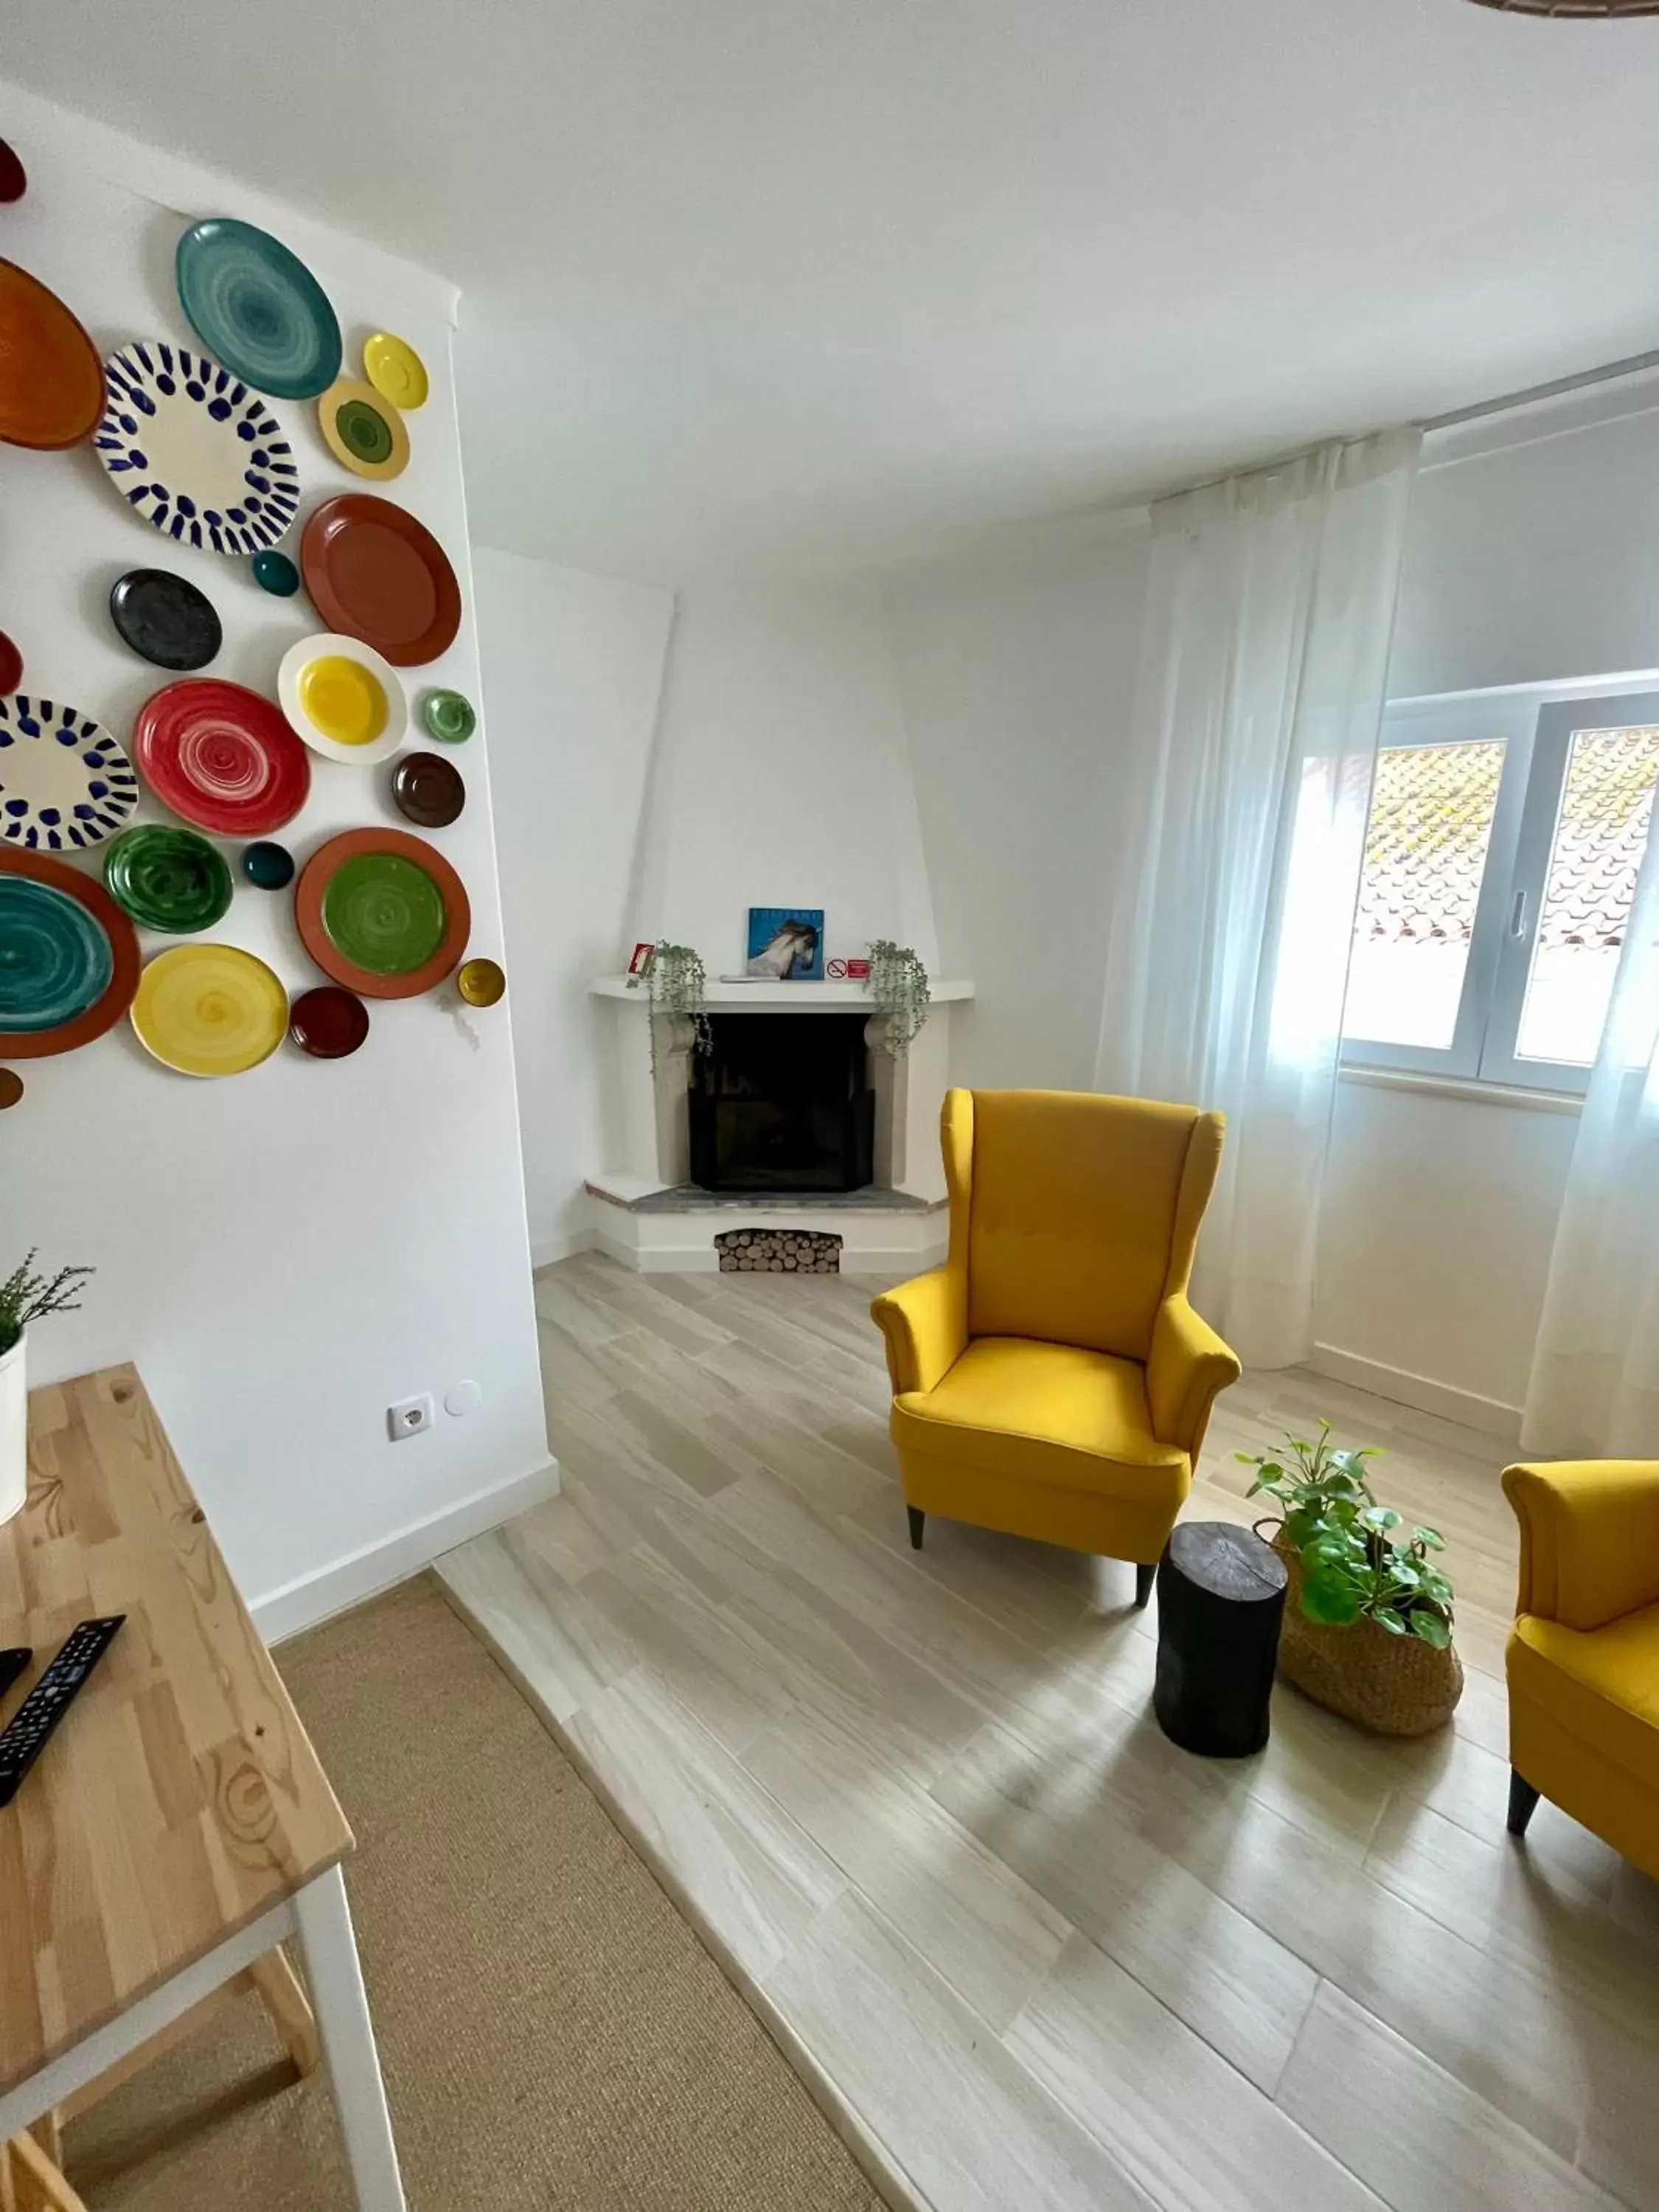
(51, 392)
(374, 573)
(117, 994)
(364, 912)
(329, 1022)
(427, 790)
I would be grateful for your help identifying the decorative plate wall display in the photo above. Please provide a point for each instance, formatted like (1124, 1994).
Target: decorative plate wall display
(374, 573)
(69, 958)
(328, 1022)
(169, 879)
(194, 450)
(396, 370)
(64, 783)
(51, 390)
(209, 1009)
(259, 308)
(427, 790)
(166, 618)
(345, 700)
(222, 756)
(382, 912)
(362, 430)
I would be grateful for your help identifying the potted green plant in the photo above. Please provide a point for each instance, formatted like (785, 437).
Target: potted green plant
(24, 1297)
(678, 986)
(897, 982)
(1368, 1628)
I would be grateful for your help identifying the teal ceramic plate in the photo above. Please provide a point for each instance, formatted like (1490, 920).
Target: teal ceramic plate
(259, 308)
(57, 962)
(169, 879)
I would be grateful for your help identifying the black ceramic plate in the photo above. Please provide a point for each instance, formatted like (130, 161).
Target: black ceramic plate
(166, 618)
(427, 789)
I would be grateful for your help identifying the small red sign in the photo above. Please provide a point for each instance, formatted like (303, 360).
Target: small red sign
(858, 971)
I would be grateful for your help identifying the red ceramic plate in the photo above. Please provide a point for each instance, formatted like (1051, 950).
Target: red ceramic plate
(11, 665)
(328, 1022)
(222, 756)
(374, 573)
(311, 890)
(117, 994)
(52, 394)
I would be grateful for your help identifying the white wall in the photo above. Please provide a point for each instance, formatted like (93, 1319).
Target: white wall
(286, 1253)
(1435, 1237)
(781, 776)
(575, 668)
(1016, 666)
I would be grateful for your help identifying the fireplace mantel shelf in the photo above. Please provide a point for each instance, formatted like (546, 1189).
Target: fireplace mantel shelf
(778, 998)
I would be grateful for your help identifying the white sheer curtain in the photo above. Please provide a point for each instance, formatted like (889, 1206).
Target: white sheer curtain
(1257, 707)
(1594, 1390)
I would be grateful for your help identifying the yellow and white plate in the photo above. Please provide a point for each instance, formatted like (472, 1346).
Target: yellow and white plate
(343, 698)
(209, 1009)
(364, 429)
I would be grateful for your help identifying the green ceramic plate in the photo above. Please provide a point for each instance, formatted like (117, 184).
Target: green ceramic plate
(449, 715)
(384, 913)
(169, 879)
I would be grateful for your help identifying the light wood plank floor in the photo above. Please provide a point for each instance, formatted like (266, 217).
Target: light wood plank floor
(1038, 1957)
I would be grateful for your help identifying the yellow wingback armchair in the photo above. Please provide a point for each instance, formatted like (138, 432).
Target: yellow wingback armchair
(1583, 1659)
(1051, 1379)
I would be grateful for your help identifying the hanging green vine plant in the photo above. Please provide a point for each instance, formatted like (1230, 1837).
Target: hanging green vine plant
(678, 985)
(898, 984)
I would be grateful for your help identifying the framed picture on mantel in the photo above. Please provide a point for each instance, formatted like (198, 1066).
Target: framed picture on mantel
(786, 943)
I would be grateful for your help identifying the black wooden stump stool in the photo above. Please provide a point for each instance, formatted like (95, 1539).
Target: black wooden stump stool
(1220, 1600)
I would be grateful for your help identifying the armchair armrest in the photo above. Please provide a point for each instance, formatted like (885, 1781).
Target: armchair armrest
(1189, 1369)
(1589, 1538)
(924, 1324)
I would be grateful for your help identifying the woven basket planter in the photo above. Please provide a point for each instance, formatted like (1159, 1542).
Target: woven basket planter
(1392, 1685)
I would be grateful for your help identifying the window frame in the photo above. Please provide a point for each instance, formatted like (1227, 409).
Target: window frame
(1536, 727)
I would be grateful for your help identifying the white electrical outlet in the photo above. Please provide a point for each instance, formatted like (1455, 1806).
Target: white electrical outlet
(410, 1417)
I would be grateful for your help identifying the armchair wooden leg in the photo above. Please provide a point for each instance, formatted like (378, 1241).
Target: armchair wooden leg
(42, 2176)
(1522, 1800)
(918, 1519)
(1144, 1577)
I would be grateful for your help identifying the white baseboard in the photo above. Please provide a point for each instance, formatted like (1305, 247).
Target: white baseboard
(543, 1252)
(317, 1597)
(1490, 1415)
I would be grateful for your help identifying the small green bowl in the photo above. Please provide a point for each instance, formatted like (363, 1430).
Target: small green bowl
(449, 716)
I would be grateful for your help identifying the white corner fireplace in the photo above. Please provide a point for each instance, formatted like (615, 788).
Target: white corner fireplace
(783, 1137)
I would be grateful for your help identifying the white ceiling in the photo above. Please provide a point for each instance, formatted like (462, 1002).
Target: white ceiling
(762, 280)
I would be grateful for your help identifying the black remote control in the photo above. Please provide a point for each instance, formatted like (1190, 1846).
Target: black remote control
(12, 1662)
(25, 1738)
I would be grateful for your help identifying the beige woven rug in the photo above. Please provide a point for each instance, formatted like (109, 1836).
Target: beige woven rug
(553, 2033)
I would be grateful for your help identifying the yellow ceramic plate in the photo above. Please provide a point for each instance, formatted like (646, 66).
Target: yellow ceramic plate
(209, 1009)
(395, 370)
(363, 430)
(481, 982)
(345, 700)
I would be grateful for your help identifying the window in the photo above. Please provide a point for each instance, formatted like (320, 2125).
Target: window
(1501, 858)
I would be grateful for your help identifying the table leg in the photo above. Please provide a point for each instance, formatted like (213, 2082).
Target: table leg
(348, 2035)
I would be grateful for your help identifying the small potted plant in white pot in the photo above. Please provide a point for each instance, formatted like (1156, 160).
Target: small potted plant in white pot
(24, 1297)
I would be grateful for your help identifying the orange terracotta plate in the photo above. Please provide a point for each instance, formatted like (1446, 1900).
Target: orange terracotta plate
(52, 381)
(382, 895)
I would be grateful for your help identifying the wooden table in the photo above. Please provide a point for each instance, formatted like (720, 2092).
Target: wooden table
(177, 1826)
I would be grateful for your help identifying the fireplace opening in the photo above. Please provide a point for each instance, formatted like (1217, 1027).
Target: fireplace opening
(783, 1101)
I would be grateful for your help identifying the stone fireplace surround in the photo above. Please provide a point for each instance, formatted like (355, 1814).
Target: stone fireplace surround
(644, 1210)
